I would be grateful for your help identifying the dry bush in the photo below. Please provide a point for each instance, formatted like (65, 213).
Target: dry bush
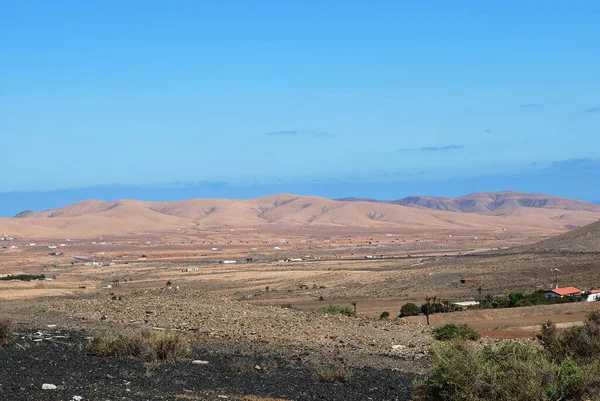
(186, 397)
(166, 346)
(337, 373)
(6, 330)
(170, 347)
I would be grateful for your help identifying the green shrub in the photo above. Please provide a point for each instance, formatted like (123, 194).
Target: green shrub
(337, 310)
(6, 330)
(167, 346)
(409, 309)
(23, 277)
(579, 342)
(384, 315)
(288, 306)
(452, 331)
(509, 371)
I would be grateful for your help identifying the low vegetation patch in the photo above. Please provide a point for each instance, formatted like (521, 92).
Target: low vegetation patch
(452, 331)
(563, 365)
(336, 373)
(578, 342)
(6, 330)
(409, 309)
(167, 346)
(23, 277)
(256, 398)
(337, 310)
(510, 371)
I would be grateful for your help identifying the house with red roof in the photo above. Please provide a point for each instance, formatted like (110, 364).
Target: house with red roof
(563, 292)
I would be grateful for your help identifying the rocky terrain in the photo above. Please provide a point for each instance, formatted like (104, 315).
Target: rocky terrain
(377, 358)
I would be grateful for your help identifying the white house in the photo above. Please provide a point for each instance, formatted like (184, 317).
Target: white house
(594, 295)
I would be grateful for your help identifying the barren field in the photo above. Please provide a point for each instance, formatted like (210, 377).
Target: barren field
(255, 292)
(308, 269)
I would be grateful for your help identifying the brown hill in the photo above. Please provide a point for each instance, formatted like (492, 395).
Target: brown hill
(492, 203)
(584, 239)
(130, 217)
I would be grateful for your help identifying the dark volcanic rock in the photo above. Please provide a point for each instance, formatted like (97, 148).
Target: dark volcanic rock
(76, 374)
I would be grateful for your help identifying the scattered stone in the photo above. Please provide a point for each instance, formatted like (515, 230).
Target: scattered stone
(48, 386)
(199, 362)
(77, 398)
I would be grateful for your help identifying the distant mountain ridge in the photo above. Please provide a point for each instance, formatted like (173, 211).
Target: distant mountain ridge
(484, 212)
(490, 203)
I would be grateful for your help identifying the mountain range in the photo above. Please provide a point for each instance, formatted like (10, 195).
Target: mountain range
(490, 203)
(480, 211)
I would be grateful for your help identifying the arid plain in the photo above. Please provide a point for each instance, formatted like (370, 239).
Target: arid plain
(312, 252)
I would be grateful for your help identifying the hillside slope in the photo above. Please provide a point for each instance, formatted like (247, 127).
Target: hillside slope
(584, 239)
(284, 211)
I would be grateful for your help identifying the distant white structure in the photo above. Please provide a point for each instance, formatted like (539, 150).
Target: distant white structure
(52, 247)
(229, 262)
(214, 249)
(466, 303)
(593, 296)
(295, 259)
(277, 248)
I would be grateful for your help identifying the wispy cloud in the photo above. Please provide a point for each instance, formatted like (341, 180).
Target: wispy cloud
(298, 133)
(432, 148)
(530, 106)
(593, 110)
(488, 130)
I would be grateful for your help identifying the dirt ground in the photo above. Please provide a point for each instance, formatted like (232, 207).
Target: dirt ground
(376, 271)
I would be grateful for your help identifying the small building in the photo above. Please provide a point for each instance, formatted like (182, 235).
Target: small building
(229, 262)
(593, 295)
(563, 292)
(466, 304)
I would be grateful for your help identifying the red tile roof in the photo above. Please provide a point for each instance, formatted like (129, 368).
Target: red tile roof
(566, 291)
(594, 291)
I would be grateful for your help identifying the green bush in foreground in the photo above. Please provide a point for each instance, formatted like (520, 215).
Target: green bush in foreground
(510, 371)
(6, 329)
(167, 346)
(452, 331)
(578, 342)
(337, 310)
(563, 365)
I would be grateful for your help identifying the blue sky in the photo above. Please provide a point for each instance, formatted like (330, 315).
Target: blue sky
(260, 93)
